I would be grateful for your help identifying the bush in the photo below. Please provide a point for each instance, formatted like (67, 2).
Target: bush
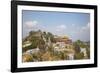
(79, 56)
(27, 58)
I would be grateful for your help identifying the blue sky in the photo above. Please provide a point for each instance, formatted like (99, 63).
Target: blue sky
(74, 25)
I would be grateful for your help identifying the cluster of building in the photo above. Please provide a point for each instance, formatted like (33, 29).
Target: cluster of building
(62, 42)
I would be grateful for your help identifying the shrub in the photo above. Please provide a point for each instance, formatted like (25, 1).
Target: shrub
(79, 56)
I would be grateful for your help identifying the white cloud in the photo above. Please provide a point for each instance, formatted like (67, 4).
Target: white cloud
(60, 27)
(73, 25)
(83, 33)
(31, 24)
(86, 27)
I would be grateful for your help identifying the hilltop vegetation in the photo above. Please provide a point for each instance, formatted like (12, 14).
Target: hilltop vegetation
(36, 38)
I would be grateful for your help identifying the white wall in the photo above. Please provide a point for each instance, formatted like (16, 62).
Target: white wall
(5, 37)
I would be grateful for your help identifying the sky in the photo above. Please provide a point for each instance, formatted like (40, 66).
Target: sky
(74, 25)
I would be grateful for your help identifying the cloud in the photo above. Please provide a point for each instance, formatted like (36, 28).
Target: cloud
(60, 27)
(73, 25)
(31, 24)
(87, 27)
(83, 33)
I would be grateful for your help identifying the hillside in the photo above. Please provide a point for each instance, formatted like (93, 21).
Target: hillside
(45, 46)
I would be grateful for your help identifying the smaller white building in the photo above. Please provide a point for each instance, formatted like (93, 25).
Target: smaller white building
(27, 43)
(32, 51)
(61, 44)
(70, 56)
(83, 50)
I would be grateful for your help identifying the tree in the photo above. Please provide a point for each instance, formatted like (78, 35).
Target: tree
(76, 47)
(30, 33)
(51, 36)
(44, 33)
